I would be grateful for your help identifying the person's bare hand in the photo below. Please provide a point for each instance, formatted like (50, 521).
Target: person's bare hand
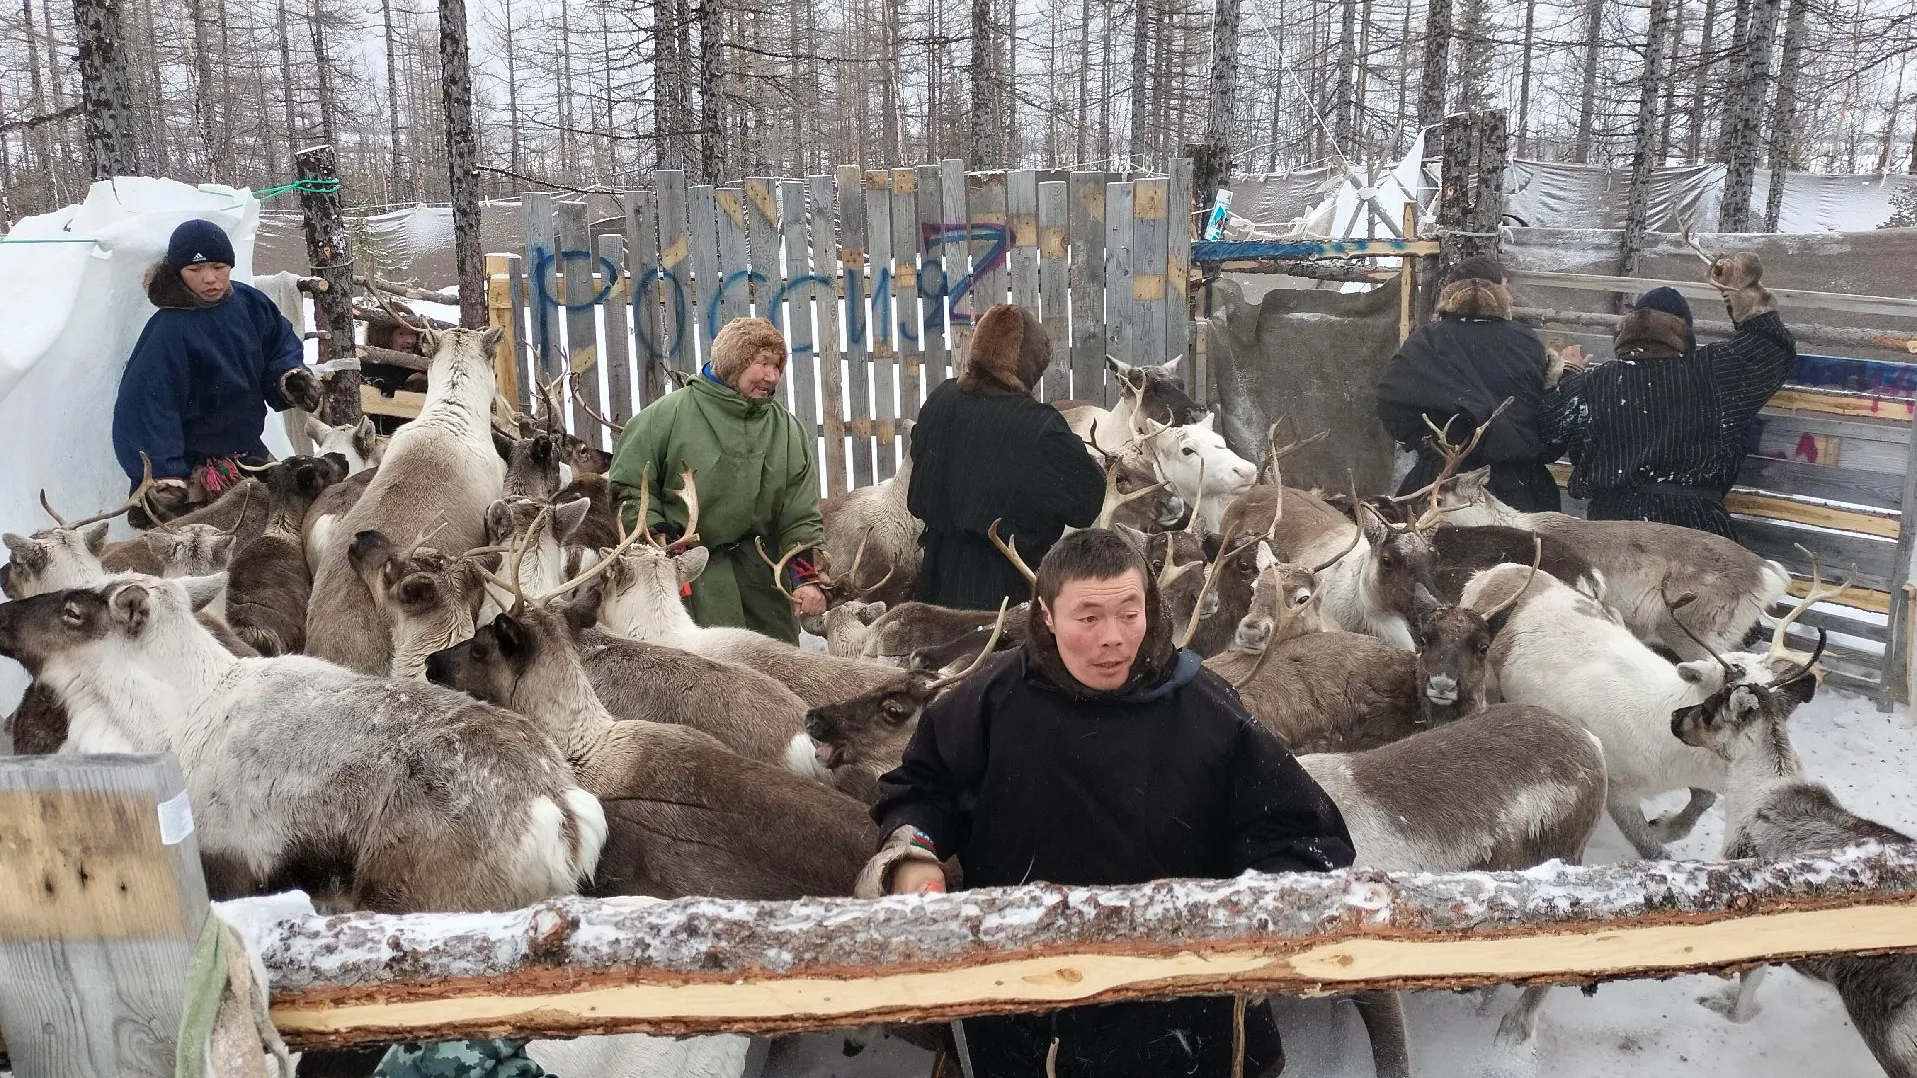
(914, 877)
(1574, 357)
(809, 600)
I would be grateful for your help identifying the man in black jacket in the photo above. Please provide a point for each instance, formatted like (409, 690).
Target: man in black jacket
(1100, 754)
(1660, 433)
(1459, 368)
(983, 450)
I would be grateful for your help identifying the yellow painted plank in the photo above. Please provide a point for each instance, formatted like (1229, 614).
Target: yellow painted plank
(1810, 400)
(1822, 516)
(401, 405)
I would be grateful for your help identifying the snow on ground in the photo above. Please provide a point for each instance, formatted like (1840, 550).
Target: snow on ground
(1630, 1029)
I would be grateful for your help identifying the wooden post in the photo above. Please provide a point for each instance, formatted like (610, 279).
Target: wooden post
(500, 312)
(1470, 196)
(1408, 277)
(100, 906)
(1178, 223)
(330, 255)
(1897, 653)
(578, 292)
(1085, 226)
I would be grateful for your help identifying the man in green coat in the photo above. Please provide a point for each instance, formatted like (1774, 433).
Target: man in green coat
(753, 463)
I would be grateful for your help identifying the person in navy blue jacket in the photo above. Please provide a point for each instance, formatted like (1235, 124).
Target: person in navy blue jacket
(212, 359)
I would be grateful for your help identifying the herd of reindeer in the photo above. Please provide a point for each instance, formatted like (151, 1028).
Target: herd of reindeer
(433, 672)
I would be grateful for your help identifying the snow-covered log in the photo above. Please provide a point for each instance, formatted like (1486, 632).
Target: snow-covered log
(579, 966)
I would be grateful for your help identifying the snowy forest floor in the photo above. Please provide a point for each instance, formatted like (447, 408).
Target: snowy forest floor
(1651, 1028)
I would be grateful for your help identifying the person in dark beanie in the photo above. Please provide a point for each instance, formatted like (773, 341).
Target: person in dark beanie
(1458, 369)
(1659, 434)
(985, 450)
(214, 357)
(1099, 753)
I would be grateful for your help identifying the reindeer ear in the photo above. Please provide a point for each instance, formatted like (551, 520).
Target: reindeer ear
(129, 606)
(582, 610)
(316, 428)
(18, 544)
(308, 480)
(1263, 557)
(337, 467)
(503, 444)
(160, 544)
(1170, 366)
(500, 525)
(429, 341)
(201, 591)
(1701, 672)
(488, 340)
(691, 564)
(568, 516)
(1132, 535)
(221, 548)
(365, 437)
(369, 551)
(870, 612)
(1499, 620)
(1375, 529)
(513, 639)
(1800, 688)
(95, 538)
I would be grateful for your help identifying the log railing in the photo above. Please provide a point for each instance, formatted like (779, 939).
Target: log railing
(580, 966)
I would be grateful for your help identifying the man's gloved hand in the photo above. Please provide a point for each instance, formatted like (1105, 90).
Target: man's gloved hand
(1739, 277)
(301, 389)
(903, 847)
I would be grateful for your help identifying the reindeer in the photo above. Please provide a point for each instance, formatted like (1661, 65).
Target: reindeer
(1732, 585)
(269, 581)
(440, 472)
(360, 444)
(1150, 391)
(1774, 812)
(367, 793)
(872, 540)
(1563, 651)
(688, 817)
(430, 600)
(875, 633)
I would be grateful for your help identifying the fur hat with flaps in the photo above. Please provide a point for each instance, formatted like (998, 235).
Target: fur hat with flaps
(738, 342)
(1010, 351)
(1475, 289)
(1658, 326)
(1156, 652)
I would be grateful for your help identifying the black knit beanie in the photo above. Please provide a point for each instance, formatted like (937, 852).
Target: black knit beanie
(195, 242)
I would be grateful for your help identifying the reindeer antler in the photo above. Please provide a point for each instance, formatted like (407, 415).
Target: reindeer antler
(1691, 242)
(139, 497)
(998, 629)
(1673, 606)
(1537, 559)
(1454, 457)
(1816, 593)
(849, 582)
(579, 399)
(778, 567)
(1011, 552)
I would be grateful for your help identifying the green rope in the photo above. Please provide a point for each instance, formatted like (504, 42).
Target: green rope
(312, 187)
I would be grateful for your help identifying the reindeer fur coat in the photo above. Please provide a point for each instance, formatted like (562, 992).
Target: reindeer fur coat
(1462, 365)
(752, 461)
(984, 450)
(1024, 775)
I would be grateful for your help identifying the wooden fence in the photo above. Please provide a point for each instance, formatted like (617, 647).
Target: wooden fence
(875, 277)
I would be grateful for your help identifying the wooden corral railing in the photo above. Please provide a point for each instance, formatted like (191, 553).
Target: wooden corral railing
(1832, 470)
(875, 276)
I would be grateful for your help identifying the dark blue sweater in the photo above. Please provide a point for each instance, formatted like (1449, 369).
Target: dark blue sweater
(201, 378)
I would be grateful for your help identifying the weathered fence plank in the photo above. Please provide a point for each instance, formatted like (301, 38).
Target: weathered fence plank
(796, 265)
(1121, 302)
(576, 966)
(988, 231)
(1086, 226)
(675, 263)
(850, 232)
(650, 292)
(522, 352)
(956, 255)
(542, 255)
(1054, 285)
(1150, 210)
(702, 212)
(1021, 199)
(499, 304)
(103, 903)
(581, 295)
(927, 252)
(763, 244)
(825, 324)
(735, 295)
(1178, 222)
(882, 199)
(615, 359)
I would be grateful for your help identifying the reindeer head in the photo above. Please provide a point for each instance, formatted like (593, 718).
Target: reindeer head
(360, 445)
(460, 364)
(190, 549)
(1154, 391)
(525, 659)
(429, 599)
(1741, 719)
(131, 611)
(1454, 645)
(1134, 494)
(532, 465)
(845, 626)
(1195, 460)
(541, 529)
(53, 560)
(1282, 603)
(1401, 566)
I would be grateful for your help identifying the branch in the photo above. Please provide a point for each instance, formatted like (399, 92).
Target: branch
(580, 966)
(32, 122)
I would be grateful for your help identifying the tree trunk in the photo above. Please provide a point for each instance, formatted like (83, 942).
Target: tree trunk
(1742, 108)
(1141, 58)
(323, 69)
(1784, 111)
(153, 96)
(982, 100)
(1731, 81)
(1342, 98)
(287, 88)
(1081, 147)
(1643, 155)
(1007, 88)
(515, 134)
(712, 153)
(329, 253)
(403, 190)
(568, 157)
(1211, 167)
(1433, 80)
(1474, 58)
(105, 90)
(1701, 84)
(892, 110)
(1524, 77)
(40, 135)
(1587, 97)
(1891, 117)
(462, 161)
(1672, 50)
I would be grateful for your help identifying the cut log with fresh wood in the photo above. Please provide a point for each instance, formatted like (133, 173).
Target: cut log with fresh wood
(329, 254)
(579, 966)
(382, 320)
(449, 297)
(372, 353)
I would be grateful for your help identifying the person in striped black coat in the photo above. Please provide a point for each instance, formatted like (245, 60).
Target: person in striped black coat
(1660, 433)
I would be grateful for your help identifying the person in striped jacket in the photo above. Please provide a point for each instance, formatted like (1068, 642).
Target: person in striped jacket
(1660, 433)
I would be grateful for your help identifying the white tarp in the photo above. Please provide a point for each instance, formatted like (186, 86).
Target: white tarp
(72, 313)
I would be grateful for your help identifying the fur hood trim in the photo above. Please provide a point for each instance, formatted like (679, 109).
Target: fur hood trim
(1474, 298)
(1009, 352)
(166, 289)
(738, 342)
(1645, 333)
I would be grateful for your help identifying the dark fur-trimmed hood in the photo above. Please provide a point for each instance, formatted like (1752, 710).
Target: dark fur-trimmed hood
(1475, 298)
(166, 289)
(1645, 333)
(1157, 657)
(1009, 353)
